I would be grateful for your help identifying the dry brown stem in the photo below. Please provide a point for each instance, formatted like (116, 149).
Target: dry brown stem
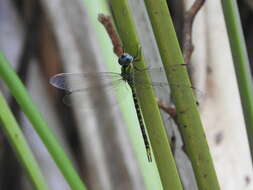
(107, 22)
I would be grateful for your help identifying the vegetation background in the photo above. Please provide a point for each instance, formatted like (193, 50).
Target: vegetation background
(43, 38)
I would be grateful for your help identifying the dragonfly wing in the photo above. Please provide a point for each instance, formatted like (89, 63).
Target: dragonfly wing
(89, 98)
(159, 81)
(71, 82)
(158, 75)
(158, 78)
(87, 90)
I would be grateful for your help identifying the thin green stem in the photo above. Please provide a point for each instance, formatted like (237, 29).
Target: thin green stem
(148, 171)
(157, 135)
(18, 90)
(188, 117)
(19, 144)
(241, 63)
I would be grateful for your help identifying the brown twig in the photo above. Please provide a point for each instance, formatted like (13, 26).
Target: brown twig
(189, 17)
(169, 110)
(107, 22)
(173, 114)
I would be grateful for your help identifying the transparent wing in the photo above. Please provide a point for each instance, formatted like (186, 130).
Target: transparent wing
(71, 82)
(97, 96)
(87, 90)
(159, 80)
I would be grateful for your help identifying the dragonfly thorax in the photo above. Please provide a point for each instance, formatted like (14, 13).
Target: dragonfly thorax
(125, 59)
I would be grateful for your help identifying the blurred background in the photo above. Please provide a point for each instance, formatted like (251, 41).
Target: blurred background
(46, 37)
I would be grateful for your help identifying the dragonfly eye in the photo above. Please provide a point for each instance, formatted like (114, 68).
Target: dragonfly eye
(125, 59)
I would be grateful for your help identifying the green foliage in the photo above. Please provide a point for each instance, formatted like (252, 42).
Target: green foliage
(187, 113)
(241, 63)
(19, 144)
(157, 134)
(18, 90)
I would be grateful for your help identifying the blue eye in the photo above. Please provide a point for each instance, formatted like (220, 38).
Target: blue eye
(125, 59)
(129, 58)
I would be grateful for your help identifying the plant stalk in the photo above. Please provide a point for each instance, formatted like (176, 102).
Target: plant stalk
(241, 64)
(188, 117)
(19, 92)
(19, 144)
(154, 125)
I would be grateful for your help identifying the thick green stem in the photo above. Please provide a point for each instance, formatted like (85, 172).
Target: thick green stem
(241, 63)
(19, 144)
(183, 97)
(18, 90)
(157, 135)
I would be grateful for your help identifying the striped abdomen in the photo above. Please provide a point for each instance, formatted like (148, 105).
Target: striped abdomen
(141, 123)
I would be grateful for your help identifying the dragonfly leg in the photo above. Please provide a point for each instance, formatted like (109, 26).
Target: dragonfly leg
(140, 70)
(137, 57)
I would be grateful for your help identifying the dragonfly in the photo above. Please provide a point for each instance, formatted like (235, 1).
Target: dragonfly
(72, 83)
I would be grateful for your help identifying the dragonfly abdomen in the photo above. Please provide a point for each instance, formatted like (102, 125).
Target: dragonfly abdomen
(141, 123)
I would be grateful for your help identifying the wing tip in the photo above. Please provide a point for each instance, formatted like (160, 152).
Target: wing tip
(55, 80)
(52, 80)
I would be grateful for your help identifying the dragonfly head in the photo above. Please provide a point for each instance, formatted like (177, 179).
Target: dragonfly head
(125, 59)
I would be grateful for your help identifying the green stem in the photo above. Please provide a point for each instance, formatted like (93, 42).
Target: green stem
(19, 144)
(157, 134)
(241, 63)
(19, 92)
(190, 124)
